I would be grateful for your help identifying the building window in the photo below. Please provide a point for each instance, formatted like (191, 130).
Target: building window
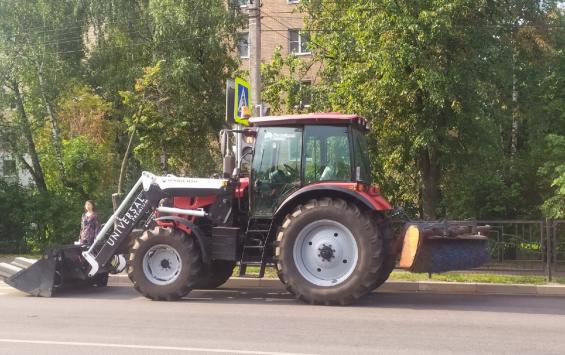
(243, 44)
(9, 168)
(298, 42)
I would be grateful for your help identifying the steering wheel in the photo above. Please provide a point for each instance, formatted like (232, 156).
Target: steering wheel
(291, 171)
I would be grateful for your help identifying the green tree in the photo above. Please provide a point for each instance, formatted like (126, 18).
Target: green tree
(177, 105)
(455, 90)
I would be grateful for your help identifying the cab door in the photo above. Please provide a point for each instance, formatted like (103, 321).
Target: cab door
(276, 168)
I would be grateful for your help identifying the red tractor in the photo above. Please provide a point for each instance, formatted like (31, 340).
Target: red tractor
(308, 206)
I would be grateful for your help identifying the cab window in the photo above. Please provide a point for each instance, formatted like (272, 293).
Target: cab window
(326, 154)
(276, 167)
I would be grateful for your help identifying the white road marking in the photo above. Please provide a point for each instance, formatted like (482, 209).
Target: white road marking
(146, 347)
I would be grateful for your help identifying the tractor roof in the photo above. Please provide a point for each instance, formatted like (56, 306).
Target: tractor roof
(310, 118)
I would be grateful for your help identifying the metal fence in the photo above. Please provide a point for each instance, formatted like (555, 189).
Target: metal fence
(557, 231)
(526, 247)
(13, 246)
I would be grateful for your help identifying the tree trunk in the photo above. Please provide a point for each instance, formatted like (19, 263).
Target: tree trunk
(163, 160)
(55, 132)
(56, 135)
(515, 108)
(125, 162)
(35, 169)
(430, 170)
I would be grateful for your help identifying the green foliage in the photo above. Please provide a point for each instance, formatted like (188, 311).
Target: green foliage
(554, 171)
(12, 224)
(32, 221)
(87, 164)
(460, 95)
(63, 65)
(282, 80)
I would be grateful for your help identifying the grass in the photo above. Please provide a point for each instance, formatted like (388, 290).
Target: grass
(475, 277)
(271, 272)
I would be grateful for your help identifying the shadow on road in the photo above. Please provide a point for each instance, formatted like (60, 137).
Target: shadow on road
(476, 303)
(473, 303)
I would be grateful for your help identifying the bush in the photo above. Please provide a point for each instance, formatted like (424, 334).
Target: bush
(13, 224)
(31, 221)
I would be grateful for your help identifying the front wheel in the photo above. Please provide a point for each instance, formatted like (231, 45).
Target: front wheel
(329, 252)
(163, 261)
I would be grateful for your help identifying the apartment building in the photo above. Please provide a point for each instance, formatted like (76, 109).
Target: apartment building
(281, 26)
(13, 172)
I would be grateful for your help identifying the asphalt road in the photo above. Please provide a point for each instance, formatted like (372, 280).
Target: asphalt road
(116, 320)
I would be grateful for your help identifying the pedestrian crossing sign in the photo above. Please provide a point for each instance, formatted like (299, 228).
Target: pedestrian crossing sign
(242, 105)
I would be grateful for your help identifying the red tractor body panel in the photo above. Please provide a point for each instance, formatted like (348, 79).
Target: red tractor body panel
(323, 118)
(189, 203)
(371, 194)
(370, 197)
(242, 186)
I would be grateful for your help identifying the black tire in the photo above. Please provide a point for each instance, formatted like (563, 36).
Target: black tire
(100, 280)
(214, 275)
(388, 266)
(389, 261)
(369, 249)
(190, 262)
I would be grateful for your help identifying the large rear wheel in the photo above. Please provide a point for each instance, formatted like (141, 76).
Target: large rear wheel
(163, 261)
(329, 252)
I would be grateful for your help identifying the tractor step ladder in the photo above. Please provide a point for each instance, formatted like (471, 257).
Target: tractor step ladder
(253, 253)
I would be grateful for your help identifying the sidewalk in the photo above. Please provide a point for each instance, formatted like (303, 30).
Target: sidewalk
(473, 288)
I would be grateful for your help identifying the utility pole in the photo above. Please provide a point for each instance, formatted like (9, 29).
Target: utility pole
(254, 11)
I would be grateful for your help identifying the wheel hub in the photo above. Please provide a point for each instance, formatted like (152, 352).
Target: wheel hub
(326, 252)
(165, 264)
(162, 264)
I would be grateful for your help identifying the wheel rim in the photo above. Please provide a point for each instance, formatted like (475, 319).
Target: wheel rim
(162, 264)
(325, 253)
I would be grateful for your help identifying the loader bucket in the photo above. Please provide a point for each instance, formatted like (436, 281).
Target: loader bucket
(435, 247)
(57, 268)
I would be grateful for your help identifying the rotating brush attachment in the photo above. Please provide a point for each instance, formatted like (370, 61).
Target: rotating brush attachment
(436, 247)
(441, 255)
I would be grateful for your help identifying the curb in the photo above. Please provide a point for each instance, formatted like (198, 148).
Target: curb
(425, 287)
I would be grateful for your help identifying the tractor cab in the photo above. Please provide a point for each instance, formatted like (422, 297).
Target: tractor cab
(292, 152)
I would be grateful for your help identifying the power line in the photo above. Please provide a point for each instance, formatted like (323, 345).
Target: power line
(56, 39)
(273, 30)
(86, 23)
(108, 48)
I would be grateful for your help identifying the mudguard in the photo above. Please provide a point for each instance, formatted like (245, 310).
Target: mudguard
(203, 241)
(344, 190)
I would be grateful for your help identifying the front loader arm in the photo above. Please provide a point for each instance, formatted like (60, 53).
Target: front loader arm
(145, 195)
(125, 218)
